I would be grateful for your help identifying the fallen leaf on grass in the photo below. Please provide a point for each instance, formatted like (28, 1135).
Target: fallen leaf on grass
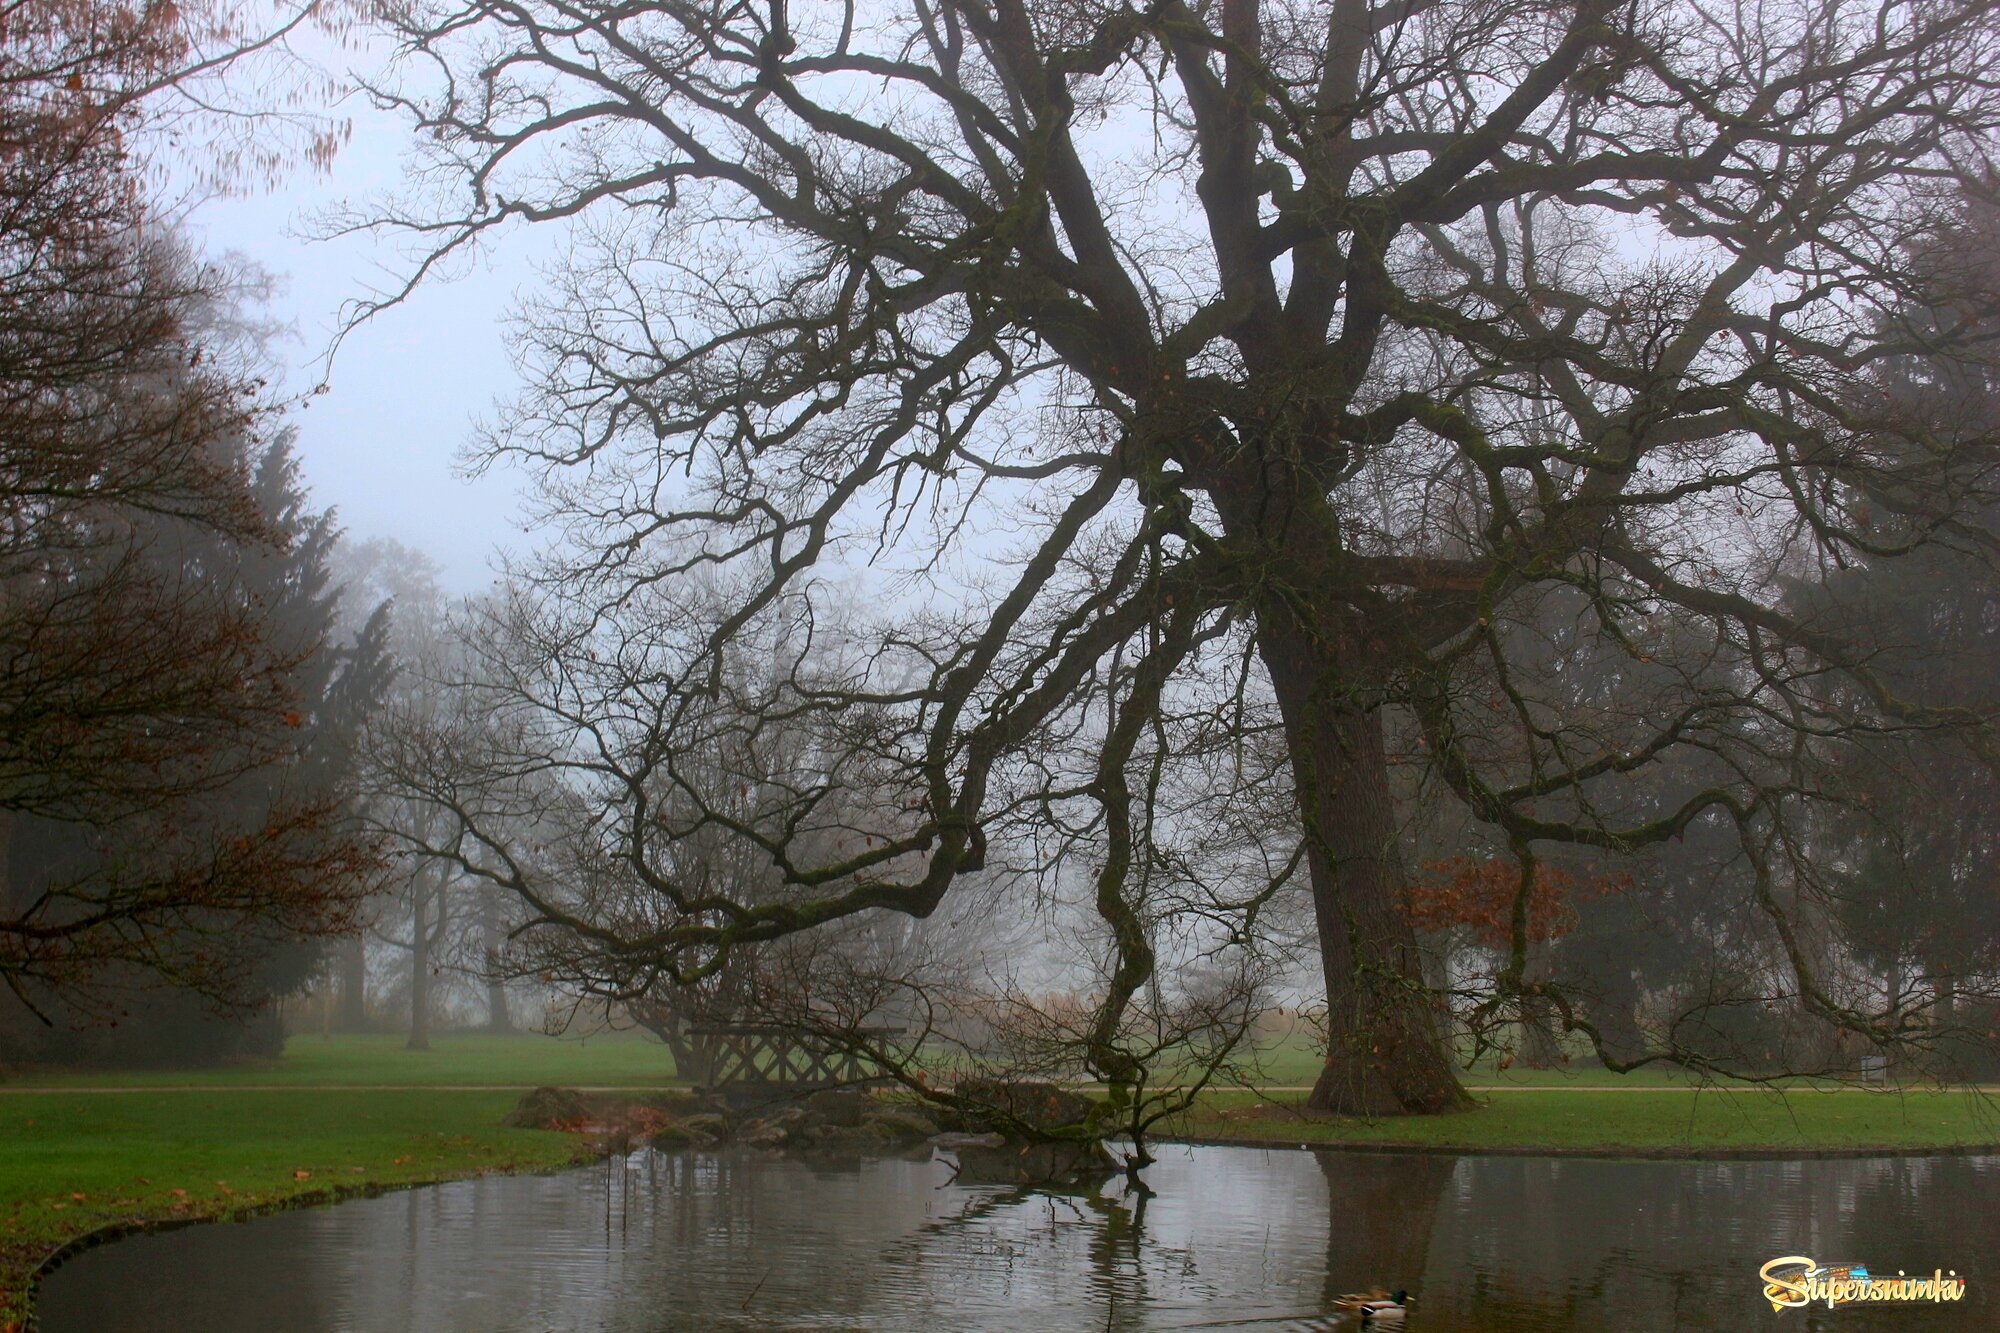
(302, 1175)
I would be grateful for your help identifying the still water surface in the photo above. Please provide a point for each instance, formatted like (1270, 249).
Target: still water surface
(1231, 1238)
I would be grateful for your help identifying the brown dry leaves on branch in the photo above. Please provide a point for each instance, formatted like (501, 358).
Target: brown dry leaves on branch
(1460, 891)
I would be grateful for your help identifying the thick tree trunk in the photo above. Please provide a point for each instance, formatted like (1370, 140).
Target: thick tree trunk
(1386, 1052)
(1540, 1046)
(420, 971)
(498, 1019)
(12, 900)
(494, 940)
(351, 967)
(1614, 1008)
(694, 1060)
(1945, 1011)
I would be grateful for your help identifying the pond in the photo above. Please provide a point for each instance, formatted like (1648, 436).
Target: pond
(1236, 1238)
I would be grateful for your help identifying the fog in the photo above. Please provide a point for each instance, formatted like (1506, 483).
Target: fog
(383, 444)
(984, 590)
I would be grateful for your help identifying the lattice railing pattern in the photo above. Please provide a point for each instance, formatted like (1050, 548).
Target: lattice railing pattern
(773, 1055)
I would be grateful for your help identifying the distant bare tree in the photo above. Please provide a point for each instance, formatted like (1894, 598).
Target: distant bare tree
(1190, 372)
(372, 574)
(451, 929)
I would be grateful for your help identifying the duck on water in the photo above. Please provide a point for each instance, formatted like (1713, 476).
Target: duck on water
(1378, 1309)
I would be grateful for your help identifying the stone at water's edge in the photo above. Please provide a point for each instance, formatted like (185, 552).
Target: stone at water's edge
(900, 1124)
(857, 1126)
(1043, 1108)
(775, 1130)
(843, 1107)
(841, 1122)
(677, 1134)
(548, 1108)
(1040, 1106)
(708, 1124)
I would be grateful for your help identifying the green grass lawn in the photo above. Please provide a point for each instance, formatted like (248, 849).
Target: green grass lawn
(71, 1163)
(526, 1060)
(637, 1060)
(1665, 1120)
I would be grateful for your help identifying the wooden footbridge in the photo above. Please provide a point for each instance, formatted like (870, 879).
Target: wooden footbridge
(751, 1062)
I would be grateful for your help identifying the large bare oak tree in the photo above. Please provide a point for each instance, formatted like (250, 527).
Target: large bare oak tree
(1288, 345)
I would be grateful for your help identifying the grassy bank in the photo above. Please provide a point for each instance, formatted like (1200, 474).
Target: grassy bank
(1677, 1122)
(73, 1163)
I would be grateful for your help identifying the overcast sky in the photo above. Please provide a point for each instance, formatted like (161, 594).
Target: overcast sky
(382, 445)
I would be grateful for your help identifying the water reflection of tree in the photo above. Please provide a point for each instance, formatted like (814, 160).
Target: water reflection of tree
(1120, 1255)
(1118, 1269)
(1381, 1211)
